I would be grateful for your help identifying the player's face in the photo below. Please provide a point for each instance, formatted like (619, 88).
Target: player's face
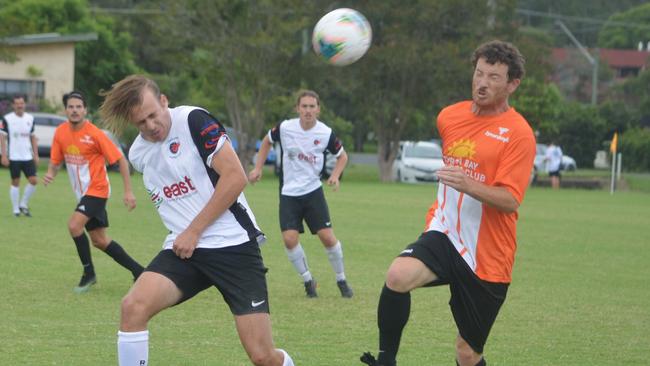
(152, 118)
(19, 106)
(75, 110)
(308, 109)
(490, 85)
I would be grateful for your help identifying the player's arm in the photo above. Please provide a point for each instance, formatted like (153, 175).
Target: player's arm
(34, 141)
(495, 196)
(341, 161)
(52, 170)
(129, 197)
(232, 181)
(3, 149)
(265, 147)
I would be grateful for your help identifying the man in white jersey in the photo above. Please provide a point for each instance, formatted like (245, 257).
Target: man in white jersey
(196, 182)
(303, 142)
(553, 158)
(19, 149)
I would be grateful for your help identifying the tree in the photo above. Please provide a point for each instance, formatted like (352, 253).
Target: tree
(637, 30)
(99, 63)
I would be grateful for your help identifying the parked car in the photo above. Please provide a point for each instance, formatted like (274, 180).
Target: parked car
(417, 162)
(46, 123)
(567, 164)
(270, 158)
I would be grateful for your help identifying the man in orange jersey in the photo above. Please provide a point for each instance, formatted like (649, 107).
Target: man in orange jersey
(470, 235)
(85, 150)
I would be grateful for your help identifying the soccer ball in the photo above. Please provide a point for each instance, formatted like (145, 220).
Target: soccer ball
(342, 36)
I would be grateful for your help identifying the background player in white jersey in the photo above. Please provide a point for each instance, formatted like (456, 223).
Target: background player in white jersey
(19, 150)
(196, 182)
(303, 142)
(470, 238)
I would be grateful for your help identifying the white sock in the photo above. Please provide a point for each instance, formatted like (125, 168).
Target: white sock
(287, 359)
(14, 193)
(133, 348)
(299, 260)
(335, 255)
(27, 194)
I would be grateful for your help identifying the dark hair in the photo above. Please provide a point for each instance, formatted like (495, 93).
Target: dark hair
(307, 93)
(17, 96)
(73, 94)
(501, 52)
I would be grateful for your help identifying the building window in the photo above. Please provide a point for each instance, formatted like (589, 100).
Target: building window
(32, 89)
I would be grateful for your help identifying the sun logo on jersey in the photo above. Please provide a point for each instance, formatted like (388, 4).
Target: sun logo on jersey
(462, 149)
(72, 150)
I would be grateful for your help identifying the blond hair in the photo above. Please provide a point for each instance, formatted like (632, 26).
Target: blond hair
(122, 98)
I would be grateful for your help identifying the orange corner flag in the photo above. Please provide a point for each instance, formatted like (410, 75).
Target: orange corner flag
(612, 145)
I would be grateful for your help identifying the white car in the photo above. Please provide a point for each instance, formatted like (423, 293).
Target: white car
(417, 162)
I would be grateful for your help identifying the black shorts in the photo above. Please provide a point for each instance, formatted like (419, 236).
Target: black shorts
(95, 209)
(238, 272)
(311, 207)
(27, 167)
(474, 303)
(555, 173)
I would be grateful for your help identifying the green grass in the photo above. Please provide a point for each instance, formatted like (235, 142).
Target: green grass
(579, 295)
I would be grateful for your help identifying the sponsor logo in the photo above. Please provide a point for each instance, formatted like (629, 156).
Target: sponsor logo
(155, 197)
(212, 132)
(497, 137)
(257, 303)
(174, 147)
(311, 159)
(81, 208)
(503, 130)
(407, 251)
(179, 189)
(328, 224)
(86, 139)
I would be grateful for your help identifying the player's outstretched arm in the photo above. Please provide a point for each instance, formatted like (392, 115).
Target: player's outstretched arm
(3, 148)
(129, 197)
(256, 174)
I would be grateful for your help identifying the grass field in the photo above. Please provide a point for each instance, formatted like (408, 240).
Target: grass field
(579, 296)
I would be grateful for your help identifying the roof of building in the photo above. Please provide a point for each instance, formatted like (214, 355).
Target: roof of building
(45, 38)
(616, 58)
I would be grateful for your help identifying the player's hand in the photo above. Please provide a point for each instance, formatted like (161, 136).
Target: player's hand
(47, 179)
(129, 200)
(185, 244)
(255, 175)
(334, 183)
(455, 177)
(5, 161)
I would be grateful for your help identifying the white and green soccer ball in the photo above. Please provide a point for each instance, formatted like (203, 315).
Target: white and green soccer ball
(342, 36)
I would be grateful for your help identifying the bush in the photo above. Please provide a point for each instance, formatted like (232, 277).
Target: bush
(634, 144)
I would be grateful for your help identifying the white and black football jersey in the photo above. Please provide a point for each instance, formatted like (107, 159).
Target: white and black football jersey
(303, 155)
(19, 131)
(180, 181)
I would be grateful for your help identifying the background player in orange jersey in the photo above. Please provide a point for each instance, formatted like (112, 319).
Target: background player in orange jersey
(85, 150)
(470, 236)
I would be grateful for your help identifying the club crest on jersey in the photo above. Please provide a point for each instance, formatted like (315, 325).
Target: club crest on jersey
(316, 142)
(174, 147)
(211, 132)
(86, 140)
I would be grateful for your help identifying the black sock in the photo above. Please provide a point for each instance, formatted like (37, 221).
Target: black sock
(392, 315)
(83, 249)
(119, 255)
